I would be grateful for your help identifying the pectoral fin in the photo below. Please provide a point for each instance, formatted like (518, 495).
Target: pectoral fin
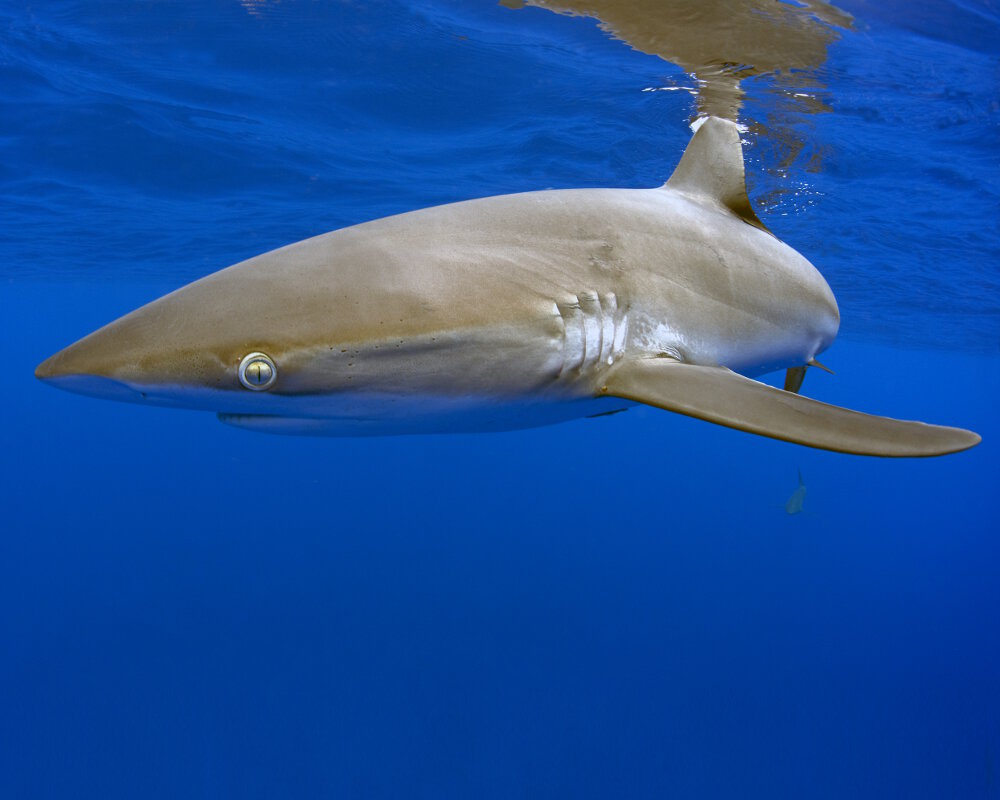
(719, 395)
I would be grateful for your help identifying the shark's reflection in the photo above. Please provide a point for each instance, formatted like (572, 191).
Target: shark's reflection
(723, 42)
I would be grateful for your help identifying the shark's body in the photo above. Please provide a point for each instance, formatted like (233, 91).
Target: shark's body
(505, 312)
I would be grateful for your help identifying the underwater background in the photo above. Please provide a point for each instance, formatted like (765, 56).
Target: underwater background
(614, 607)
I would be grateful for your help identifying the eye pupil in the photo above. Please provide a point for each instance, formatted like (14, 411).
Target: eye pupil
(257, 372)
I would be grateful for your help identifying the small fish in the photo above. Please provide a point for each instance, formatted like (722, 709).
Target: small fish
(794, 504)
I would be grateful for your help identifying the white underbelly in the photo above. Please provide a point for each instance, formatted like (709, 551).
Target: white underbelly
(394, 415)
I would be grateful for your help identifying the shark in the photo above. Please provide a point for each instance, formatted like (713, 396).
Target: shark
(507, 312)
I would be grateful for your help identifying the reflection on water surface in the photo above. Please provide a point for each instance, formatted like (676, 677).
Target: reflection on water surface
(724, 42)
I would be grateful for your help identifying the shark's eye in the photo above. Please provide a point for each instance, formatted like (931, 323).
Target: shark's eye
(257, 372)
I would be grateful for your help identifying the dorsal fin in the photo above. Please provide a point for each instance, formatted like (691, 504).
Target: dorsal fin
(712, 166)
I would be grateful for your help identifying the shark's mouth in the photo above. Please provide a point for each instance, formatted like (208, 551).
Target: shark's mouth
(96, 386)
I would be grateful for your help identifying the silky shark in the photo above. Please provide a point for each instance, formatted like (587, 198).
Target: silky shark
(507, 312)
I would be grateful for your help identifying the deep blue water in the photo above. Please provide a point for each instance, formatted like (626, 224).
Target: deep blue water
(606, 608)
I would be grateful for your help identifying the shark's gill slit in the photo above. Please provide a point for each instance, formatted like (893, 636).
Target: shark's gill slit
(590, 306)
(574, 334)
(609, 306)
(594, 330)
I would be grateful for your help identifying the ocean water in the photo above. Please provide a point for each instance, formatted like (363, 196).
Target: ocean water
(617, 607)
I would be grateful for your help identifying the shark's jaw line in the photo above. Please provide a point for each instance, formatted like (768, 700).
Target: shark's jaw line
(356, 413)
(504, 312)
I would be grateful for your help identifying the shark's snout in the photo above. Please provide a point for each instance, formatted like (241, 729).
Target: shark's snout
(96, 355)
(92, 385)
(148, 347)
(58, 366)
(79, 369)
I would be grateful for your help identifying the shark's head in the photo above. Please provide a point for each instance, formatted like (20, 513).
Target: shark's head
(331, 326)
(218, 343)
